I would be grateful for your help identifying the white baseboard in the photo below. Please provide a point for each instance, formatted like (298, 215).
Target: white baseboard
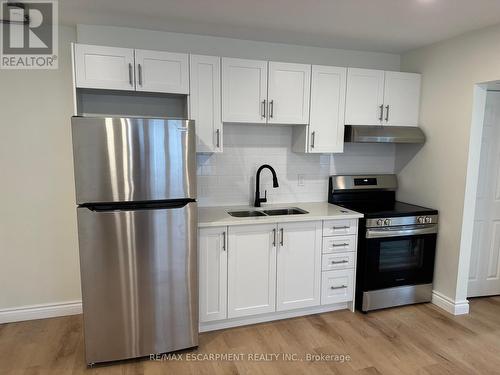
(449, 305)
(48, 310)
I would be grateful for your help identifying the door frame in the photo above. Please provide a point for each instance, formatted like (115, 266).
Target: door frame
(471, 187)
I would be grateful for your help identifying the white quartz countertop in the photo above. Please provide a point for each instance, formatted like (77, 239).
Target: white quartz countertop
(218, 216)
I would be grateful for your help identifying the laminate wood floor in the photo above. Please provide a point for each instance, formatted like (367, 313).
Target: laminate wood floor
(419, 339)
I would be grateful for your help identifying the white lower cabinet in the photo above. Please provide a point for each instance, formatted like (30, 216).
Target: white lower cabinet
(279, 270)
(299, 265)
(212, 273)
(337, 286)
(251, 270)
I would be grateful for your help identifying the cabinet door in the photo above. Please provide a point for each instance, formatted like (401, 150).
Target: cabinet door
(299, 265)
(212, 271)
(244, 90)
(101, 67)
(204, 102)
(251, 270)
(326, 126)
(158, 71)
(289, 92)
(401, 99)
(365, 97)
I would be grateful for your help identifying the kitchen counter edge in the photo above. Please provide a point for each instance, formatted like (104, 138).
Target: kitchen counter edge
(218, 216)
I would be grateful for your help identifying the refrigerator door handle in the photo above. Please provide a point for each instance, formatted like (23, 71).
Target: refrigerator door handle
(132, 206)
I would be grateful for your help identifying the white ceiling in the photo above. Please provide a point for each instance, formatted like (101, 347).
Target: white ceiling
(373, 25)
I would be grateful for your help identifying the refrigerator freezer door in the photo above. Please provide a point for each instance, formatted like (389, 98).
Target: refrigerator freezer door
(139, 281)
(133, 159)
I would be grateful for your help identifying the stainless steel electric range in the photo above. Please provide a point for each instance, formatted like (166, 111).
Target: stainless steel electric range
(396, 242)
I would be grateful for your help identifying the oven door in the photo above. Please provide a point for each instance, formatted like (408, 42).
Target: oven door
(397, 256)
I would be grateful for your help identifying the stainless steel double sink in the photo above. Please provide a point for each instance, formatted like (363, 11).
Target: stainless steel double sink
(270, 212)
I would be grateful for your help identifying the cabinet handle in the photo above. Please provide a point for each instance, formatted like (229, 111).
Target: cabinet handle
(387, 113)
(337, 228)
(224, 241)
(271, 108)
(340, 262)
(130, 74)
(263, 109)
(313, 139)
(274, 237)
(281, 240)
(338, 287)
(381, 112)
(340, 244)
(218, 137)
(140, 74)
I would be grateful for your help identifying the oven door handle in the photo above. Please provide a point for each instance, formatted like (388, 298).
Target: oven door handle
(408, 230)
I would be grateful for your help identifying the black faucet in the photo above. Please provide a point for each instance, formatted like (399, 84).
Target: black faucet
(258, 199)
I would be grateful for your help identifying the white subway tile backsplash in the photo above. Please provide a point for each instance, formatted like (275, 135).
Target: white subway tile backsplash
(228, 178)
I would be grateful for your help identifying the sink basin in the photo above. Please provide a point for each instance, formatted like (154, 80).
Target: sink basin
(246, 213)
(285, 211)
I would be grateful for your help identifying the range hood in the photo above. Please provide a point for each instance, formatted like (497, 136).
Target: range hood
(383, 134)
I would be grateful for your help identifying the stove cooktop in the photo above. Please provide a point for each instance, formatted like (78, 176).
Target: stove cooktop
(387, 209)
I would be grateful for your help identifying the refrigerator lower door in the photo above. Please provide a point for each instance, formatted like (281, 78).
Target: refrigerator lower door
(139, 281)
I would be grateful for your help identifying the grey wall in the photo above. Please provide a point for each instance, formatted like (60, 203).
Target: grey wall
(436, 176)
(209, 45)
(38, 241)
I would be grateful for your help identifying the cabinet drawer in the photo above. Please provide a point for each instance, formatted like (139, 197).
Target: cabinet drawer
(339, 244)
(337, 286)
(339, 227)
(337, 261)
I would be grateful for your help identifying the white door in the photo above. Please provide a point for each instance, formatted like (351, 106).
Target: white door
(244, 90)
(326, 125)
(401, 99)
(158, 71)
(99, 67)
(289, 92)
(205, 102)
(299, 265)
(251, 270)
(484, 274)
(212, 273)
(365, 97)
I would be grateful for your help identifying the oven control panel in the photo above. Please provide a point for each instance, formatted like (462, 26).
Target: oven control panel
(404, 220)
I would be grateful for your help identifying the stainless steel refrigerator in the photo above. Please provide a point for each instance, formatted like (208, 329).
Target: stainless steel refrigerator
(137, 230)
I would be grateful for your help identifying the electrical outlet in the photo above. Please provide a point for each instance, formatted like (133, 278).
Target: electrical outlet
(300, 180)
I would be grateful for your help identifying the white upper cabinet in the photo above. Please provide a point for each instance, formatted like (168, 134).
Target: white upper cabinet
(326, 126)
(244, 90)
(299, 265)
(375, 97)
(205, 102)
(288, 93)
(212, 273)
(113, 68)
(365, 97)
(251, 270)
(158, 71)
(104, 67)
(401, 99)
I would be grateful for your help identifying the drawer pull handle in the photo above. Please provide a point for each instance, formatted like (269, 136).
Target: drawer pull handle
(338, 228)
(338, 287)
(340, 244)
(340, 262)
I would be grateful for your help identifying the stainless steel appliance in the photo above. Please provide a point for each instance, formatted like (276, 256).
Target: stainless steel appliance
(383, 134)
(396, 242)
(137, 225)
